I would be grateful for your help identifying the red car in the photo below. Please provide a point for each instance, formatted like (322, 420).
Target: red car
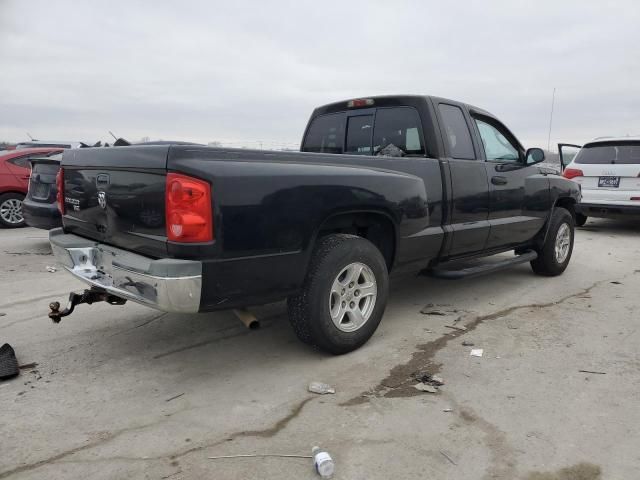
(15, 170)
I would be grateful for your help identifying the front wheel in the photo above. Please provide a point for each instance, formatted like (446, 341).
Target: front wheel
(344, 295)
(11, 210)
(555, 254)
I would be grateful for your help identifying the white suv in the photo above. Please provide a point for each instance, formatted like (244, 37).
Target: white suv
(608, 171)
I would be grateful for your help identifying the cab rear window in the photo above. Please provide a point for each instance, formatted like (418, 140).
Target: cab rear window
(623, 153)
(394, 131)
(326, 134)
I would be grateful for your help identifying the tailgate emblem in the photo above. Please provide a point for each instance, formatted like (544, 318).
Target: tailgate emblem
(102, 199)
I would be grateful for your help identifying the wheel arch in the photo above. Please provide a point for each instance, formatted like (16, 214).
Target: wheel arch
(377, 226)
(17, 192)
(566, 202)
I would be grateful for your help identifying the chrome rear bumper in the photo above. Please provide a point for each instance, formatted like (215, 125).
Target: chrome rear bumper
(167, 284)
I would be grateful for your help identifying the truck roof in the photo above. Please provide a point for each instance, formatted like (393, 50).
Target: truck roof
(394, 100)
(634, 138)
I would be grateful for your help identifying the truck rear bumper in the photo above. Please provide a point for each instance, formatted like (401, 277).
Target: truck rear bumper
(167, 284)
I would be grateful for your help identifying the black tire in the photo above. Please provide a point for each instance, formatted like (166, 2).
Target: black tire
(580, 219)
(547, 262)
(6, 200)
(8, 362)
(310, 311)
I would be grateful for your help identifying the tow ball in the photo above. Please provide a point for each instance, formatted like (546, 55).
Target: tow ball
(93, 295)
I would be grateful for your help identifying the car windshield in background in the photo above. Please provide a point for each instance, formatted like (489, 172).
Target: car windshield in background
(610, 152)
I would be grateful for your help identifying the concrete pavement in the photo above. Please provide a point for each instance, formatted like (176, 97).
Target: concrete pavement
(128, 392)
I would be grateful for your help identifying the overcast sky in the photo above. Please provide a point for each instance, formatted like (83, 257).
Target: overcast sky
(253, 71)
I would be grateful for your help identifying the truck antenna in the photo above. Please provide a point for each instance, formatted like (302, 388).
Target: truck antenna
(553, 99)
(114, 137)
(30, 137)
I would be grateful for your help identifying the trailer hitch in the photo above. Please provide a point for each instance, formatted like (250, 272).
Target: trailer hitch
(93, 295)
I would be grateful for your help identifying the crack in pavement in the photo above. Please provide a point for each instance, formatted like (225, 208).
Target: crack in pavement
(265, 322)
(502, 456)
(152, 319)
(35, 299)
(66, 453)
(264, 433)
(399, 382)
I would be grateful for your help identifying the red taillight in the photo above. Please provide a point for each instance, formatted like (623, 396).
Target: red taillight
(60, 190)
(188, 209)
(572, 173)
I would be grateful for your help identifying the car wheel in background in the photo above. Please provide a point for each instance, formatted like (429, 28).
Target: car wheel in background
(580, 219)
(11, 210)
(555, 254)
(344, 295)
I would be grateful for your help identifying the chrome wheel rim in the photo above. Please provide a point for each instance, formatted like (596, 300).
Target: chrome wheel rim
(11, 211)
(563, 242)
(353, 297)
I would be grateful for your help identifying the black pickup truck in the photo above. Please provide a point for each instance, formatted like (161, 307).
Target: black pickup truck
(381, 185)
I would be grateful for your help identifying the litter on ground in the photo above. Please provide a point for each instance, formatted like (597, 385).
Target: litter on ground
(321, 388)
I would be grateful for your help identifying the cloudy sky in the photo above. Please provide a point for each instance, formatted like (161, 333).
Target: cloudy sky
(246, 72)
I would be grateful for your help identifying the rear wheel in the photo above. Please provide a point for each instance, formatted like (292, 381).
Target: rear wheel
(555, 254)
(580, 219)
(344, 295)
(11, 210)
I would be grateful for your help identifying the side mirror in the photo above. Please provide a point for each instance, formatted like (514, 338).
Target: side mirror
(534, 155)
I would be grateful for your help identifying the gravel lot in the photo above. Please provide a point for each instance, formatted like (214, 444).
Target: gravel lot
(128, 392)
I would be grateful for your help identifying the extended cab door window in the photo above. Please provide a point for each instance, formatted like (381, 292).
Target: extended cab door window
(497, 147)
(398, 132)
(325, 134)
(469, 206)
(456, 132)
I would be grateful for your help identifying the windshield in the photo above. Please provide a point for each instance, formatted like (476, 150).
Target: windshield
(609, 152)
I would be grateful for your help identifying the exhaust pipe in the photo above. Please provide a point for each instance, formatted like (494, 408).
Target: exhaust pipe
(247, 318)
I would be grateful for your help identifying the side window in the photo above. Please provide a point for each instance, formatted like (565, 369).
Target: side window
(21, 161)
(457, 132)
(397, 128)
(326, 134)
(496, 146)
(359, 132)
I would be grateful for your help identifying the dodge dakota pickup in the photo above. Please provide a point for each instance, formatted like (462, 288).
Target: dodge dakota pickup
(381, 185)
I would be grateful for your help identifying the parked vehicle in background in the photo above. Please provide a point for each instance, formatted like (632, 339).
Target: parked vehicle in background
(382, 184)
(39, 207)
(15, 170)
(608, 172)
(49, 144)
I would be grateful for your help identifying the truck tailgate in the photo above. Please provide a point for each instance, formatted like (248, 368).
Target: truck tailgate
(117, 196)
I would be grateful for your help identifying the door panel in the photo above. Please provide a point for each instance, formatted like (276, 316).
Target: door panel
(470, 206)
(510, 186)
(511, 193)
(469, 211)
(567, 152)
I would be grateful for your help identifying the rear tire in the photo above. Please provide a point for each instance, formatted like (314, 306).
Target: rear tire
(11, 210)
(580, 219)
(553, 257)
(343, 297)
